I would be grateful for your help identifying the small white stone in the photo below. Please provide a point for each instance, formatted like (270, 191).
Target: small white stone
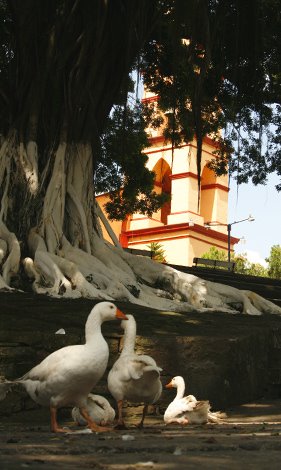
(82, 431)
(177, 451)
(145, 464)
(61, 331)
(128, 437)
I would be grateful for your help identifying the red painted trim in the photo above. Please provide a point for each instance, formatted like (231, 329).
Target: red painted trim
(123, 239)
(180, 227)
(215, 186)
(206, 140)
(188, 174)
(190, 212)
(209, 141)
(156, 139)
(124, 224)
(182, 212)
(167, 149)
(203, 150)
(150, 99)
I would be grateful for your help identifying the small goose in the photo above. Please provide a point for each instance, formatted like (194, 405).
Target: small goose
(99, 410)
(184, 410)
(67, 376)
(133, 377)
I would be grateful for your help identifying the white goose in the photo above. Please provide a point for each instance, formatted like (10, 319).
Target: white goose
(133, 377)
(184, 410)
(98, 408)
(67, 376)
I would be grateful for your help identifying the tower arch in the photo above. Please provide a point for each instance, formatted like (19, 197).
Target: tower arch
(162, 184)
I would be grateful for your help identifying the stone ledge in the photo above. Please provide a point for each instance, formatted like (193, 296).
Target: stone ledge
(228, 359)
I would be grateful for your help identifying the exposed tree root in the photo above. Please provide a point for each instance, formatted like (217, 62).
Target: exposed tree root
(68, 257)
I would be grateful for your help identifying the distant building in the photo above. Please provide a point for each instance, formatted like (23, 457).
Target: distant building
(179, 226)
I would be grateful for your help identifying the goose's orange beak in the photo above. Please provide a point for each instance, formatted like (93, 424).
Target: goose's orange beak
(169, 385)
(120, 315)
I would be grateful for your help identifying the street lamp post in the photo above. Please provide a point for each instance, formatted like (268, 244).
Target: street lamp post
(228, 241)
(214, 224)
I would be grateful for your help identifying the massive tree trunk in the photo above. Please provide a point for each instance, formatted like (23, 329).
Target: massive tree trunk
(65, 66)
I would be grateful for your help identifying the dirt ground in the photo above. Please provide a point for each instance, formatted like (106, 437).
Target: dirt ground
(249, 438)
(212, 350)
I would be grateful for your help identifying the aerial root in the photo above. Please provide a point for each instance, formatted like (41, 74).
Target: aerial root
(59, 277)
(10, 251)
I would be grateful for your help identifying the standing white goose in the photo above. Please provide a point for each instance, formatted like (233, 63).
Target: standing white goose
(184, 410)
(98, 408)
(133, 377)
(67, 376)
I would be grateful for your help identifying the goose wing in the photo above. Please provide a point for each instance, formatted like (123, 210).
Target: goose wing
(61, 361)
(180, 407)
(134, 366)
(141, 365)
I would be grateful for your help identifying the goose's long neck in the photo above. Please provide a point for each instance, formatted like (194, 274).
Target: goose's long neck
(129, 337)
(93, 328)
(180, 390)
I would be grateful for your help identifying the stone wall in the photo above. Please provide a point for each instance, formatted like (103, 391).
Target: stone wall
(228, 359)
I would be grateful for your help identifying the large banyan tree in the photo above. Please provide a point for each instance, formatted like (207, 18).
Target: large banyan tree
(63, 65)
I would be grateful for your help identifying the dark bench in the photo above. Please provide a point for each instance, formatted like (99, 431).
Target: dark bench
(214, 263)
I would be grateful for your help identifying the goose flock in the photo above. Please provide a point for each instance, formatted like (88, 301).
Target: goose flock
(68, 376)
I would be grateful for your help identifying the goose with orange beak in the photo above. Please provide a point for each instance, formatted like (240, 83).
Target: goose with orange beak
(184, 410)
(68, 375)
(133, 377)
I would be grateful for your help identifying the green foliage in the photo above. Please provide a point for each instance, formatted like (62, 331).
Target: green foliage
(158, 253)
(224, 75)
(64, 64)
(121, 169)
(242, 264)
(274, 262)
(215, 253)
(256, 269)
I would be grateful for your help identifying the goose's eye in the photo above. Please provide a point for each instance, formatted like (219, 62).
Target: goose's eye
(111, 306)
